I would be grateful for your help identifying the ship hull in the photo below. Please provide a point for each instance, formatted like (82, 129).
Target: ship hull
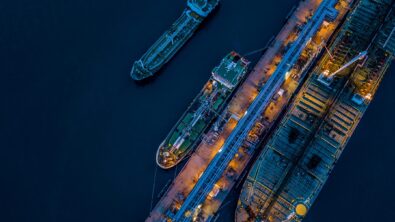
(194, 142)
(204, 109)
(167, 45)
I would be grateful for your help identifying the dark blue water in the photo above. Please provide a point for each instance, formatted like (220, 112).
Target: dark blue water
(78, 138)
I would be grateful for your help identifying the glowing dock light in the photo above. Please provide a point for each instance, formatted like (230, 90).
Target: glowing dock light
(281, 92)
(368, 96)
(308, 42)
(287, 74)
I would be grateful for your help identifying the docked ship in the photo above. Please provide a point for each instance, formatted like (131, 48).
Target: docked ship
(173, 39)
(187, 133)
(300, 155)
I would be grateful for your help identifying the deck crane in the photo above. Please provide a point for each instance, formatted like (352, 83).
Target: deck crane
(326, 77)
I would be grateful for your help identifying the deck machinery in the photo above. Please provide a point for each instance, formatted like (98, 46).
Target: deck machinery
(173, 39)
(188, 131)
(301, 153)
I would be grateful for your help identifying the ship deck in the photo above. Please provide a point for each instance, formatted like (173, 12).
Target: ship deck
(299, 157)
(188, 131)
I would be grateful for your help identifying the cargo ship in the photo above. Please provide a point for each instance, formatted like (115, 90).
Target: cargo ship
(187, 132)
(301, 153)
(173, 39)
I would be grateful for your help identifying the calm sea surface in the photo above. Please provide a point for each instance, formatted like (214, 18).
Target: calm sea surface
(78, 138)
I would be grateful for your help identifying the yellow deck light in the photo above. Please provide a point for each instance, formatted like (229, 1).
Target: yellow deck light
(301, 210)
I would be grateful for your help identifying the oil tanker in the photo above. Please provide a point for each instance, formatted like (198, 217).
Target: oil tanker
(173, 39)
(300, 155)
(214, 96)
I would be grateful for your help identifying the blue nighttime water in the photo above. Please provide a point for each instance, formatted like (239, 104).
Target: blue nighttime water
(78, 137)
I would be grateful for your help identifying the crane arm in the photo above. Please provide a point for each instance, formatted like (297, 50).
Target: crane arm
(360, 56)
